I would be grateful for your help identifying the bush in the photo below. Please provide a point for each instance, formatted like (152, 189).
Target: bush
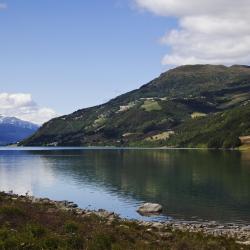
(37, 231)
(11, 211)
(110, 133)
(215, 142)
(231, 142)
(71, 227)
(101, 242)
(148, 127)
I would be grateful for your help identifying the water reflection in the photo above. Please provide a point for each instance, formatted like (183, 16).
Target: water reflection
(208, 185)
(23, 174)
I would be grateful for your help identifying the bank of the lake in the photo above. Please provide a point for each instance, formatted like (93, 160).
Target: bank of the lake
(27, 222)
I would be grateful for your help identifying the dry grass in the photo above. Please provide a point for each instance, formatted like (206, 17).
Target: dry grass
(161, 136)
(198, 115)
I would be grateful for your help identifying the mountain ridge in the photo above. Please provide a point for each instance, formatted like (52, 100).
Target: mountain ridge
(13, 130)
(154, 113)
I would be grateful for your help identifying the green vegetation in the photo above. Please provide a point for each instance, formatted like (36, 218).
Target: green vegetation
(204, 105)
(151, 105)
(220, 130)
(27, 225)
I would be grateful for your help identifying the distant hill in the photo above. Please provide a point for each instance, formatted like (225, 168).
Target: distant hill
(189, 106)
(14, 130)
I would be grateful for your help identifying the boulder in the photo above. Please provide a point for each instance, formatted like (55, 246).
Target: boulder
(150, 209)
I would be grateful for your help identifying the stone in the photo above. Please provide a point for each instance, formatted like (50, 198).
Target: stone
(72, 205)
(157, 225)
(246, 228)
(246, 243)
(149, 209)
(166, 235)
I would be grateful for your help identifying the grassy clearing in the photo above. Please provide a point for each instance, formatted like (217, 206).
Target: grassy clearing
(125, 108)
(245, 147)
(151, 105)
(161, 136)
(25, 225)
(234, 100)
(197, 115)
(99, 121)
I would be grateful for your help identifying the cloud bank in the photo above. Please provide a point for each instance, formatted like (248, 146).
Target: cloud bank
(23, 107)
(209, 31)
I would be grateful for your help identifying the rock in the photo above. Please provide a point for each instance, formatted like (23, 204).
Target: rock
(157, 225)
(166, 235)
(212, 224)
(146, 223)
(246, 228)
(246, 243)
(149, 209)
(72, 205)
(104, 214)
(124, 227)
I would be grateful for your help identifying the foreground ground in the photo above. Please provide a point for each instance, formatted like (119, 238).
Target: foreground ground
(29, 224)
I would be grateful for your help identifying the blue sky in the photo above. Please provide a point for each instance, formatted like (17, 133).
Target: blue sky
(74, 54)
(60, 56)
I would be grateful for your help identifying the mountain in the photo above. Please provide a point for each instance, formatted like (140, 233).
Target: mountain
(189, 106)
(13, 130)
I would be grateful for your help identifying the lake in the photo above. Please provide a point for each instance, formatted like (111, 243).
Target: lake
(190, 184)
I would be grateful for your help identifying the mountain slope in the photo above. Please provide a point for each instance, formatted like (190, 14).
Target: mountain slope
(157, 113)
(13, 130)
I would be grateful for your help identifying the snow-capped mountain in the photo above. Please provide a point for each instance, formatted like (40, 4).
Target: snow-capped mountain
(13, 130)
(17, 122)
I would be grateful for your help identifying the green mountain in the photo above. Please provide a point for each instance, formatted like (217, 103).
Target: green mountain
(189, 106)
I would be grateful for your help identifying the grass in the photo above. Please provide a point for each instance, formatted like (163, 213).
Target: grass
(161, 136)
(245, 147)
(151, 105)
(25, 225)
(198, 115)
(99, 121)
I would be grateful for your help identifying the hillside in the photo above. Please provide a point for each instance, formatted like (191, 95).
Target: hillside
(14, 130)
(199, 105)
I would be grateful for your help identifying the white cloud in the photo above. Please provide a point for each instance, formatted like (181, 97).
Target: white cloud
(23, 107)
(209, 31)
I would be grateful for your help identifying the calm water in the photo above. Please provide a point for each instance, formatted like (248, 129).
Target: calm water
(191, 185)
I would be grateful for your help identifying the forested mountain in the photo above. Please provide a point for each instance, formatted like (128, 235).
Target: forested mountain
(189, 106)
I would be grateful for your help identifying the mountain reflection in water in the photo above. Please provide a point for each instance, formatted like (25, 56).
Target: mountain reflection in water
(206, 185)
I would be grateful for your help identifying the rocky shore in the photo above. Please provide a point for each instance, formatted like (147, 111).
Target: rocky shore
(239, 232)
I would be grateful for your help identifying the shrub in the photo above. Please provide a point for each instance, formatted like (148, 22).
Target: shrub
(101, 242)
(36, 231)
(71, 227)
(231, 142)
(215, 142)
(11, 211)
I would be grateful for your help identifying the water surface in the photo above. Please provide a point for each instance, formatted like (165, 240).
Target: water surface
(190, 184)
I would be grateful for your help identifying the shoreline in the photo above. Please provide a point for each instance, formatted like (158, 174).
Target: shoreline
(16, 147)
(239, 232)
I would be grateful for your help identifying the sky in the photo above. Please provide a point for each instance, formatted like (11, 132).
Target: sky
(60, 56)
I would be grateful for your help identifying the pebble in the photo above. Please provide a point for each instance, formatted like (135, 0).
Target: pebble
(239, 232)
